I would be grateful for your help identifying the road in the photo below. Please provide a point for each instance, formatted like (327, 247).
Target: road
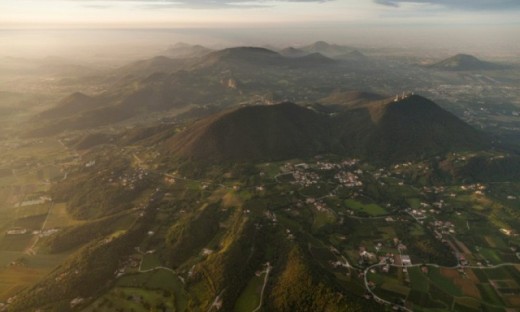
(267, 271)
(31, 251)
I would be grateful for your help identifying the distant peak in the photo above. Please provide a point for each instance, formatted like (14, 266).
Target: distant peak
(181, 45)
(463, 61)
(321, 44)
(248, 49)
(463, 55)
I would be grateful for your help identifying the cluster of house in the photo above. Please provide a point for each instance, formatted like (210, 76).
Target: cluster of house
(129, 180)
(317, 204)
(441, 228)
(324, 165)
(365, 257)
(132, 262)
(349, 179)
(16, 231)
(36, 201)
(23, 231)
(478, 188)
(304, 178)
(46, 233)
(434, 189)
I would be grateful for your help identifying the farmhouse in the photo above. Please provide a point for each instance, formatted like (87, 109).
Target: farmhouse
(405, 260)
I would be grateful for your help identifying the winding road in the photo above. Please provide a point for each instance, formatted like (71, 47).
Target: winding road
(267, 271)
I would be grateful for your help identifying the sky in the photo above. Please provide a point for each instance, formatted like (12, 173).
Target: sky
(258, 13)
(490, 27)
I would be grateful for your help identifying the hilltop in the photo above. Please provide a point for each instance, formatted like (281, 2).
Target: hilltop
(383, 130)
(293, 52)
(465, 62)
(184, 50)
(327, 49)
(254, 133)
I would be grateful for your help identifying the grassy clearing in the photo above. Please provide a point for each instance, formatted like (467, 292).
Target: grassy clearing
(322, 218)
(150, 261)
(15, 242)
(59, 217)
(33, 210)
(133, 299)
(31, 223)
(250, 298)
(418, 280)
(396, 288)
(467, 304)
(490, 255)
(14, 279)
(443, 282)
(30, 270)
(415, 203)
(158, 280)
(489, 295)
(370, 209)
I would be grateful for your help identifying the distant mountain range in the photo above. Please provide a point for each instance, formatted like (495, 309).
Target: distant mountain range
(465, 62)
(162, 83)
(384, 130)
(351, 98)
(147, 67)
(184, 50)
(327, 49)
(330, 50)
(244, 56)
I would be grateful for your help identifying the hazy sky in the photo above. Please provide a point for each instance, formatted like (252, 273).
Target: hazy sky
(223, 13)
(42, 27)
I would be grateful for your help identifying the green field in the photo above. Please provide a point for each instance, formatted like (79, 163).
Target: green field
(59, 217)
(370, 209)
(322, 218)
(15, 242)
(158, 280)
(133, 299)
(150, 261)
(448, 288)
(250, 298)
(29, 270)
(418, 280)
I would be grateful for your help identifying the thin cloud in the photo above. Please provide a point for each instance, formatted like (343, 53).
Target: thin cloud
(211, 4)
(96, 6)
(468, 5)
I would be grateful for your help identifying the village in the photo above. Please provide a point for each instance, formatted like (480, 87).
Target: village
(436, 213)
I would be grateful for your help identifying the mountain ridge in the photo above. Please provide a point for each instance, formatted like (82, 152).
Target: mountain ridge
(465, 62)
(382, 130)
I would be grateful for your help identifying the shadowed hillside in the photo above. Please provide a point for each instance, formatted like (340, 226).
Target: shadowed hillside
(382, 131)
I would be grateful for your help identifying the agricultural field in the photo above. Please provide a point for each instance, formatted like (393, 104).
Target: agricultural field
(144, 291)
(59, 217)
(250, 297)
(370, 209)
(19, 270)
(26, 209)
(429, 287)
